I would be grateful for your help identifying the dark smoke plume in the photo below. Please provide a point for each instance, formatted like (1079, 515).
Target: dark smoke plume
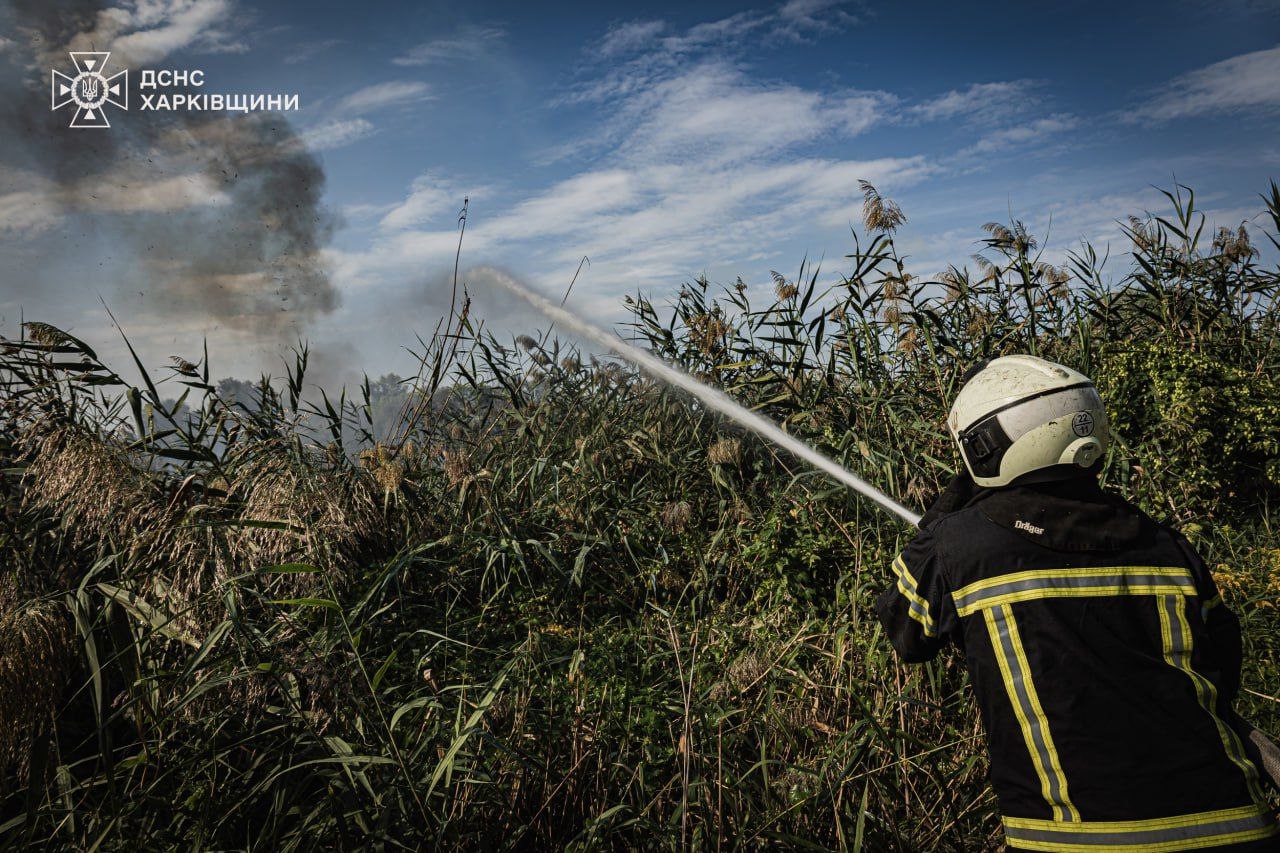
(222, 212)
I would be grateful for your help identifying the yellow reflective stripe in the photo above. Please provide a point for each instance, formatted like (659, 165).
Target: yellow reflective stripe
(1023, 713)
(1036, 574)
(1177, 645)
(1087, 582)
(1055, 764)
(1088, 592)
(917, 607)
(1178, 832)
(1216, 601)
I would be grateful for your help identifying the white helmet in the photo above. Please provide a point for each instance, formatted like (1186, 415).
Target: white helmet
(1019, 413)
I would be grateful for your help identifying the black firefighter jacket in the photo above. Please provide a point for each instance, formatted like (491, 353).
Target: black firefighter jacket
(1104, 665)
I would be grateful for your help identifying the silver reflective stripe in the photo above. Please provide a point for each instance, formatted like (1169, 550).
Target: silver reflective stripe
(1048, 583)
(1256, 825)
(917, 606)
(1176, 638)
(921, 615)
(1066, 582)
(1031, 716)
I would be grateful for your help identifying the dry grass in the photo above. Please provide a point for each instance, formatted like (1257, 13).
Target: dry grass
(97, 492)
(35, 667)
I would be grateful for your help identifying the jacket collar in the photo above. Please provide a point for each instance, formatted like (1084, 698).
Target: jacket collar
(1066, 514)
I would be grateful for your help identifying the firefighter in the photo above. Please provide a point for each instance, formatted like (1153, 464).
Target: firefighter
(1100, 653)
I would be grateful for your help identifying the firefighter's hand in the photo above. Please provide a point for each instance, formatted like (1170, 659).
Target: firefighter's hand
(953, 497)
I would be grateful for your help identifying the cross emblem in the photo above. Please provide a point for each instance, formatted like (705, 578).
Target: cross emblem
(90, 90)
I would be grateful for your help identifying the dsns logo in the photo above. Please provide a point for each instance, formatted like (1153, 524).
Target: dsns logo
(90, 89)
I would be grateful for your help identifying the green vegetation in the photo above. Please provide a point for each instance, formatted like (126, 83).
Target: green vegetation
(562, 606)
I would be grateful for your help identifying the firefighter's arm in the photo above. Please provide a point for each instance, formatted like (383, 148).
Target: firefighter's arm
(1225, 646)
(916, 608)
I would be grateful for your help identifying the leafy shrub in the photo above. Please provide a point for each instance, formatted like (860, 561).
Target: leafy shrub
(1205, 428)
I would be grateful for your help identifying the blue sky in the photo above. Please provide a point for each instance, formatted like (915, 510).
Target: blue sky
(662, 141)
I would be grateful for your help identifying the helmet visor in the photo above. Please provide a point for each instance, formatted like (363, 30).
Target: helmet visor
(985, 441)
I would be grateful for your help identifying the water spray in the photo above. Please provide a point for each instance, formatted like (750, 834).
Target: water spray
(712, 397)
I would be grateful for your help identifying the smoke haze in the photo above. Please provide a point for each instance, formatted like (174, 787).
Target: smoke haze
(221, 214)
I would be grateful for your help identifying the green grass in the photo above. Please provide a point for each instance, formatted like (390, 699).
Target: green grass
(554, 605)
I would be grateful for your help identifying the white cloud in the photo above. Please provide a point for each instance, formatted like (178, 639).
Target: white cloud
(695, 163)
(337, 133)
(1036, 130)
(430, 196)
(366, 210)
(570, 206)
(381, 95)
(306, 51)
(716, 33)
(345, 123)
(709, 111)
(714, 112)
(683, 219)
(629, 36)
(1248, 81)
(27, 212)
(641, 223)
(798, 18)
(793, 20)
(857, 113)
(468, 43)
(981, 101)
(149, 30)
